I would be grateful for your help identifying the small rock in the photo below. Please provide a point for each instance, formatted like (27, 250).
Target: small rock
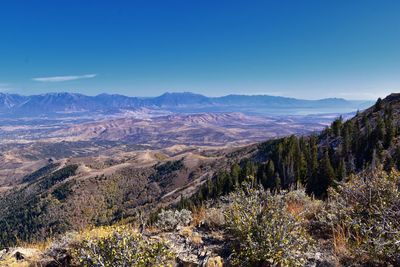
(2, 253)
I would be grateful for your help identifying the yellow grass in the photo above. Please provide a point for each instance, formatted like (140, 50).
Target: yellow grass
(39, 245)
(198, 216)
(196, 239)
(295, 208)
(186, 232)
(215, 262)
(340, 241)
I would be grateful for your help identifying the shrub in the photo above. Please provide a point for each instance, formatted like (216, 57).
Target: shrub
(120, 246)
(169, 219)
(214, 218)
(264, 231)
(59, 249)
(214, 262)
(302, 206)
(198, 215)
(367, 209)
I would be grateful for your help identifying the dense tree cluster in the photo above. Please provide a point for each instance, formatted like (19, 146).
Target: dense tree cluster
(41, 172)
(28, 221)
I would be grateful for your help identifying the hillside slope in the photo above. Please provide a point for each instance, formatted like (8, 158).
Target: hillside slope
(74, 194)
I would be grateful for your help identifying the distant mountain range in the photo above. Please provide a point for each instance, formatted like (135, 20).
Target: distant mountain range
(51, 104)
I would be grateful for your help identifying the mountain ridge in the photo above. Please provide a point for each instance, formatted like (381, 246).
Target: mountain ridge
(64, 102)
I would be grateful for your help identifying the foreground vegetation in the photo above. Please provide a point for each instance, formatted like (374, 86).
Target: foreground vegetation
(119, 246)
(358, 224)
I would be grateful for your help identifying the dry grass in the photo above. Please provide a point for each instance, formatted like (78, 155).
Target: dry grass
(215, 262)
(295, 208)
(302, 207)
(341, 241)
(198, 216)
(32, 257)
(33, 253)
(152, 229)
(42, 245)
(217, 236)
(196, 239)
(14, 263)
(102, 232)
(160, 156)
(186, 232)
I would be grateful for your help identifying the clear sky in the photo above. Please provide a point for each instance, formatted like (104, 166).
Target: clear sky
(300, 48)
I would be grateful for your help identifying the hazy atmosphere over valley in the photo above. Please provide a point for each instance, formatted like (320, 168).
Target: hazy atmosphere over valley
(199, 133)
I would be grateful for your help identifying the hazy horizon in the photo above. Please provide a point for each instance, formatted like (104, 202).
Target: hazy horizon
(184, 92)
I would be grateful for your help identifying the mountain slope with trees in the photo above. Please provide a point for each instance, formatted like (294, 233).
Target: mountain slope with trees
(318, 162)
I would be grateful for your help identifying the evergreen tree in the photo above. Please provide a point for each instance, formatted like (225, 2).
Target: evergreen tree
(379, 130)
(375, 162)
(277, 182)
(312, 181)
(397, 157)
(303, 160)
(261, 175)
(378, 105)
(270, 174)
(248, 171)
(390, 130)
(341, 172)
(326, 176)
(347, 140)
(337, 126)
(235, 173)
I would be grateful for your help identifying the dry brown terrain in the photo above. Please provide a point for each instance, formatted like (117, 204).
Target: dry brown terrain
(28, 144)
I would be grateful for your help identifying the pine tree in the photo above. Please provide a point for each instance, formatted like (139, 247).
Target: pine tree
(378, 105)
(337, 126)
(314, 157)
(375, 162)
(235, 173)
(380, 129)
(277, 182)
(304, 159)
(390, 130)
(312, 181)
(248, 171)
(326, 176)
(389, 164)
(270, 174)
(346, 148)
(341, 172)
(261, 174)
(397, 157)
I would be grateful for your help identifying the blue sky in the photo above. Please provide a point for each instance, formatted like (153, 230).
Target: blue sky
(300, 48)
